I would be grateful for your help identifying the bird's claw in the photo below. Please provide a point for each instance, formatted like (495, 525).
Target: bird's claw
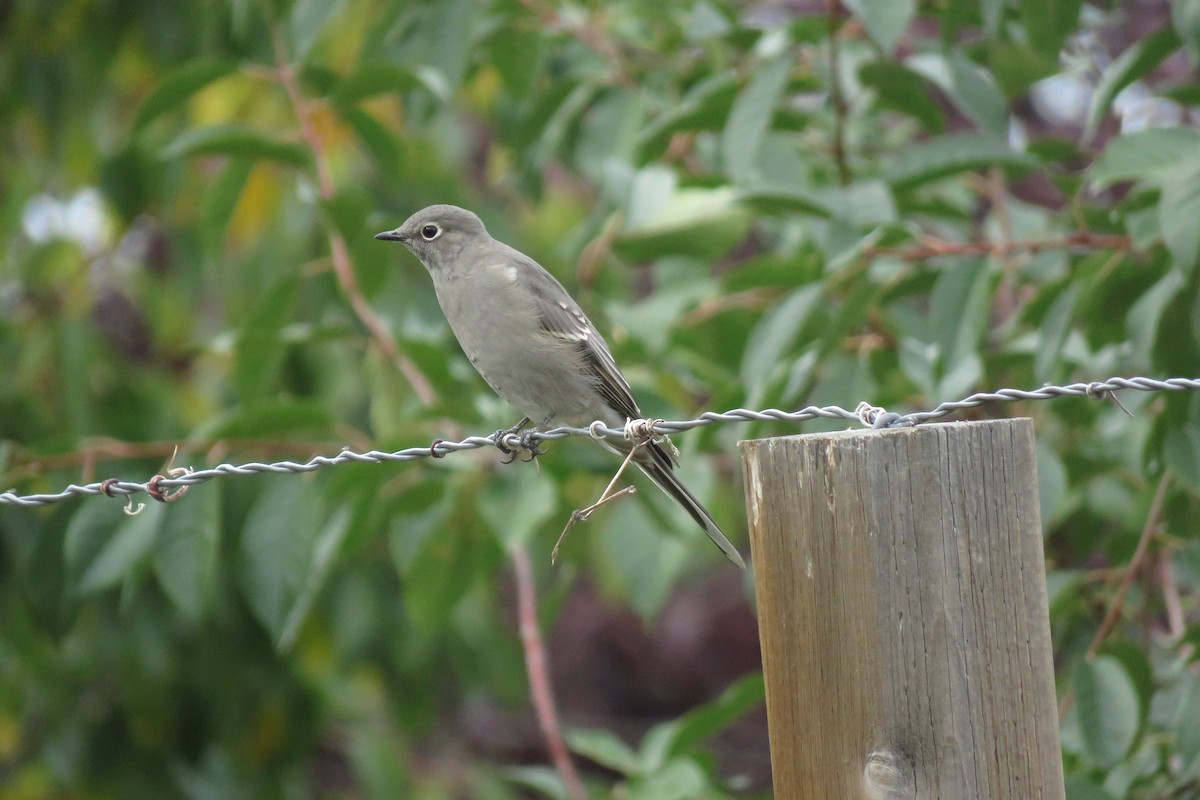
(524, 443)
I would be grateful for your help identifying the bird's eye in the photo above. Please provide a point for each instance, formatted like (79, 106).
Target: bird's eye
(430, 232)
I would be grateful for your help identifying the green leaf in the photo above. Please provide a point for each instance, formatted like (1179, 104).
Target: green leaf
(326, 547)
(1181, 452)
(555, 133)
(40, 558)
(1143, 155)
(861, 204)
(992, 12)
(441, 570)
(178, 86)
(679, 736)
(604, 748)
(707, 21)
(918, 362)
(260, 345)
(652, 320)
(774, 199)
(544, 781)
(682, 779)
(1047, 364)
(609, 130)
(419, 516)
(1138, 668)
(1106, 701)
(1146, 313)
(1185, 17)
(773, 336)
(701, 222)
(705, 107)
(1052, 482)
(236, 141)
(885, 20)
(220, 201)
(281, 418)
(185, 554)
(382, 78)
(307, 21)
(1062, 589)
(898, 88)
(516, 503)
(1187, 724)
(958, 320)
(1083, 787)
(277, 553)
(1141, 57)
(750, 117)
(89, 531)
(968, 86)
(644, 542)
(1179, 211)
(516, 53)
(1049, 22)
(443, 39)
(950, 154)
(123, 551)
(1016, 67)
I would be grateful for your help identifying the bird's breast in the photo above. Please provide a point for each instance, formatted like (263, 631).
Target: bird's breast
(497, 325)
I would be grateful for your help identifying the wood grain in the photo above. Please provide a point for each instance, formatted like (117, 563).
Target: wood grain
(902, 611)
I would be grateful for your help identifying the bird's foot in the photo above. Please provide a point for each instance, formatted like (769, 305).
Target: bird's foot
(512, 442)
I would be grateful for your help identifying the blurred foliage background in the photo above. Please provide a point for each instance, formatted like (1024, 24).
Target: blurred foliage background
(764, 203)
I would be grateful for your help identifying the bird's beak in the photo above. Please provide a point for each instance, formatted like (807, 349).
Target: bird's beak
(391, 236)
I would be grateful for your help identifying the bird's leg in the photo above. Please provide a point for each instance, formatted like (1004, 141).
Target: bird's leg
(607, 496)
(530, 446)
(499, 436)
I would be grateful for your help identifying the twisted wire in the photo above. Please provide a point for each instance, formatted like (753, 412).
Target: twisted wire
(166, 488)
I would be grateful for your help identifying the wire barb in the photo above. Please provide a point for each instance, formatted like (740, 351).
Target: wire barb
(179, 479)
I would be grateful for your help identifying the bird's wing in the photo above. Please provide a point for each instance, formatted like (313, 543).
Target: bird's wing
(561, 317)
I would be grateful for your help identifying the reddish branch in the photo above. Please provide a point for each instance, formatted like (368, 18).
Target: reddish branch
(841, 108)
(1135, 566)
(931, 247)
(339, 253)
(539, 676)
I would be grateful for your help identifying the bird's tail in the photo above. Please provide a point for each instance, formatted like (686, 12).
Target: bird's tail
(657, 466)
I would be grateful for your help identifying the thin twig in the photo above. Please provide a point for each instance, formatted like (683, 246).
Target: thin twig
(540, 689)
(932, 247)
(750, 299)
(1135, 564)
(1176, 622)
(836, 98)
(1118, 601)
(1005, 300)
(582, 514)
(338, 251)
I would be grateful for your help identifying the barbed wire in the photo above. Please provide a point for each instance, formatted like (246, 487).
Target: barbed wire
(165, 488)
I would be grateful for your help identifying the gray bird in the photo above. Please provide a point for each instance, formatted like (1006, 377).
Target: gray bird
(531, 342)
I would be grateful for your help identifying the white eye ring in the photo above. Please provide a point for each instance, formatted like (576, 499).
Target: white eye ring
(430, 232)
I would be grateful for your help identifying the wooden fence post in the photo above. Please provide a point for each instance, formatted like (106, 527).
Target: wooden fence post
(901, 596)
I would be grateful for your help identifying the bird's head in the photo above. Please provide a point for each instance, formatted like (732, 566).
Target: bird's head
(437, 234)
